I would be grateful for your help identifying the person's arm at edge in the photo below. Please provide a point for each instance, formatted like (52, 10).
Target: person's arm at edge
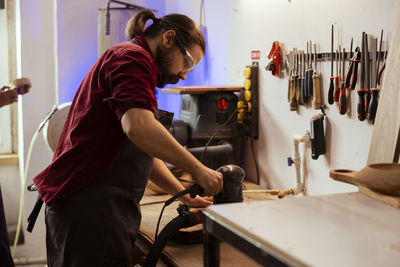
(149, 135)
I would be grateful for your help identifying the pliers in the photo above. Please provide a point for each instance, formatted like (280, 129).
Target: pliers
(351, 78)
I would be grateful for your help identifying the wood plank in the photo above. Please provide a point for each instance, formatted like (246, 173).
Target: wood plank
(8, 159)
(200, 89)
(387, 123)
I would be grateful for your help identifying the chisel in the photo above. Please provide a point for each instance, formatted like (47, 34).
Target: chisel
(337, 78)
(331, 84)
(302, 79)
(342, 96)
(361, 92)
(291, 77)
(293, 103)
(310, 72)
(316, 83)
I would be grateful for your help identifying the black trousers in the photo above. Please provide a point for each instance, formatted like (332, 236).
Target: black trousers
(98, 225)
(5, 254)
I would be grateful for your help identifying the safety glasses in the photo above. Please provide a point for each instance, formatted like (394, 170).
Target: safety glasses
(188, 59)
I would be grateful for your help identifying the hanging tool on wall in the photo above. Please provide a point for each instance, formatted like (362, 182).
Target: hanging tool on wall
(339, 82)
(332, 79)
(342, 95)
(317, 134)
(293, 102)
(274, 58)
(375, 90)
(297, 77)
(368, 76)
(316, 83)
(306, 74)
(351, 78)
(291, 76)
(302, 79)
(309, 74)
(362, 90)
(336, 86)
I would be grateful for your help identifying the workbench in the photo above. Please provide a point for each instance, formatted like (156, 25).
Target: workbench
(331, 230)
(190, 255)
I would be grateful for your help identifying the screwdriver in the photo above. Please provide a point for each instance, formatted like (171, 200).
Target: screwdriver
(331, 84)
(342, 96)
(316, 83)
(337, 91)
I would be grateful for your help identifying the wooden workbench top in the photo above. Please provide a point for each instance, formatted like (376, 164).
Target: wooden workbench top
(188, 255)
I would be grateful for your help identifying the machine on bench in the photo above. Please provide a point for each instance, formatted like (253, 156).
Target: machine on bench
(207, 114)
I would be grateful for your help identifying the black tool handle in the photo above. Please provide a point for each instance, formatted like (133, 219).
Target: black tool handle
(342, 100)
(195, 190)
(331, 90)
(361, 105)
(310, 83)
(301, 93)
(367, 101)
(373, 105)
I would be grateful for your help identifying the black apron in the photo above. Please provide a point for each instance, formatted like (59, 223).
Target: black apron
(98, 225)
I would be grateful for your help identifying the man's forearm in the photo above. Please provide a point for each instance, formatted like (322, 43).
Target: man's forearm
(162, 177)
(149, 135)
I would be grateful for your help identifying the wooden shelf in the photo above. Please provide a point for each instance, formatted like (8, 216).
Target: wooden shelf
(8, 159)
(180, 90)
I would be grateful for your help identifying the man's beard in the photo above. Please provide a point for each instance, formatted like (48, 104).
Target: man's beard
(164, 62)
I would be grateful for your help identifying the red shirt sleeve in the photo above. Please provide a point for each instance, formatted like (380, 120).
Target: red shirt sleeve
(132, 77)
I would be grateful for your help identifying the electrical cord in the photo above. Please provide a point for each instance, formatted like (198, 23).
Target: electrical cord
(28, 160)
(215, 134)
(194, 190)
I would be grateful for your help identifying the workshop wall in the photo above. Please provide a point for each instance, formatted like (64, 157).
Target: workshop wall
(237, 27)
(59, 44)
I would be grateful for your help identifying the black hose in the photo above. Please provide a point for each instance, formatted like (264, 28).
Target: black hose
(182, 221)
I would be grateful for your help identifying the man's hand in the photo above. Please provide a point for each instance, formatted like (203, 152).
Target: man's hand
(7, 96)
(209, 180)
(197, 202)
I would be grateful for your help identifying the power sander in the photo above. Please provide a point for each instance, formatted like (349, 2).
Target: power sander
(232, 191)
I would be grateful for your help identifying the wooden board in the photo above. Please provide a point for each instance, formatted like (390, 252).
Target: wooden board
(385, 137)
(201, 89)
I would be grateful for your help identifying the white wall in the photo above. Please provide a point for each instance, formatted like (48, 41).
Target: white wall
(237, 27)
(38, 53)
(77, 40)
